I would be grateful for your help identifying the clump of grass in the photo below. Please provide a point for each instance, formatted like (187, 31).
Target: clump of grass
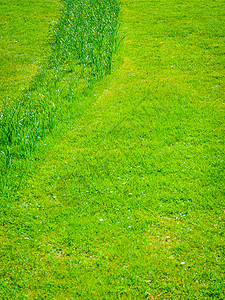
(23, 122)
(86, 35)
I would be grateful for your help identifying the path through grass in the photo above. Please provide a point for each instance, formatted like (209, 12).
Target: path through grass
(128, 203)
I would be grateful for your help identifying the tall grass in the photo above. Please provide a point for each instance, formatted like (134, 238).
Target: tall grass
(86, 35)
(82, 45)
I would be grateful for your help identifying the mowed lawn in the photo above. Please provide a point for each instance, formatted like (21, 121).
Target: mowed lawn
(127, 201)
(24, 41)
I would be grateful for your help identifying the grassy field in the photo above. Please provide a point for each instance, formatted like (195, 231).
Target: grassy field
(125, 198)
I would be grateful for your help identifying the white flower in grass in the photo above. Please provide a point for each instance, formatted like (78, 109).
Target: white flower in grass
(182, 263)
(101, 220)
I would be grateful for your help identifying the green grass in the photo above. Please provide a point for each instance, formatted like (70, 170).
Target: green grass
(24, 40)
(125, 199)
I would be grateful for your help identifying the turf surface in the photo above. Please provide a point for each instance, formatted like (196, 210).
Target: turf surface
(25, 28)
(127, 201)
